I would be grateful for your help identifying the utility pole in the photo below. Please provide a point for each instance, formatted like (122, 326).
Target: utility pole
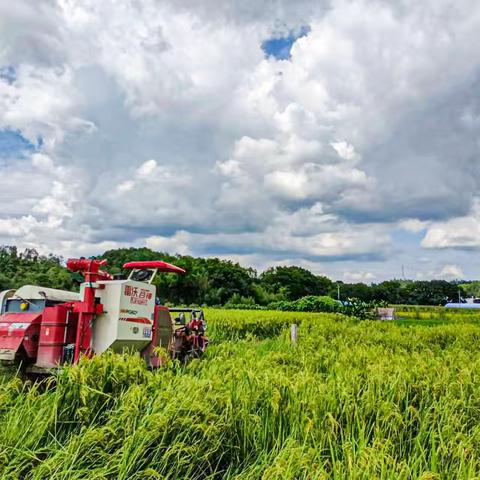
(338, 291)
(403, 272)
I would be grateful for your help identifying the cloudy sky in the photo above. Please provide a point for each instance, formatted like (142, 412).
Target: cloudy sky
(340, 135)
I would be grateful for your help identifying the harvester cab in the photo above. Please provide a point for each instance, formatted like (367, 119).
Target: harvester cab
(44, 328)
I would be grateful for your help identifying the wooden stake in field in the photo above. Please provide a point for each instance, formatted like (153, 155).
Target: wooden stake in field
(293, 333)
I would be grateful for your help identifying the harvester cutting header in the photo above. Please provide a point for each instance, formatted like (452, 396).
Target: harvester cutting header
(43, 328)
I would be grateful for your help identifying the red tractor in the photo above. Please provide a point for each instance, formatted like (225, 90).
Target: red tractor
(44, 328)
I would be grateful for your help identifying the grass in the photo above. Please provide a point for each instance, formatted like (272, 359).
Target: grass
(355, 400)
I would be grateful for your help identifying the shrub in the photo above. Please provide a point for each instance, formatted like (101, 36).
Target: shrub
(313, 303)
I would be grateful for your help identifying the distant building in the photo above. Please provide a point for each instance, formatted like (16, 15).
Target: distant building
(386, 313)
(463, 305)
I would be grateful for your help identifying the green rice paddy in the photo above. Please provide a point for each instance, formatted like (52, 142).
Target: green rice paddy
(352, 400)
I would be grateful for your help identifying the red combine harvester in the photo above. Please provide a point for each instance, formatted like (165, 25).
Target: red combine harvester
(44, 328)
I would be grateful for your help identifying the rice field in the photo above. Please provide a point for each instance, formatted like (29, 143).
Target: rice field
(411, 315)
(352, 400)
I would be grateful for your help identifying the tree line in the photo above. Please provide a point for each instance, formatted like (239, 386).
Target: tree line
(212, 281)
(27, 267)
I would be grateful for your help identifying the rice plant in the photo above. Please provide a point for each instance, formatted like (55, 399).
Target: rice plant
(355, 400)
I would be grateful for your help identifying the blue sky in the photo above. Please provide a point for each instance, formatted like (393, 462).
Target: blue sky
(279, 47)
(13, 144)
(341, 136)
(8, 74)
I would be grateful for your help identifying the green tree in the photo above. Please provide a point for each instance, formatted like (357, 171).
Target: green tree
(210, 281)
(434, 292)
(470, 289)
(391, 291)
(295, 282)
(30, 268)
(360, 291)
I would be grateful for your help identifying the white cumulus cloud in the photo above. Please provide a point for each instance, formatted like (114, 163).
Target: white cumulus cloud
(166, 124)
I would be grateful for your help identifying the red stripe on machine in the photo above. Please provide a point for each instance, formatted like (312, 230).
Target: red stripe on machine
(136, 320)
